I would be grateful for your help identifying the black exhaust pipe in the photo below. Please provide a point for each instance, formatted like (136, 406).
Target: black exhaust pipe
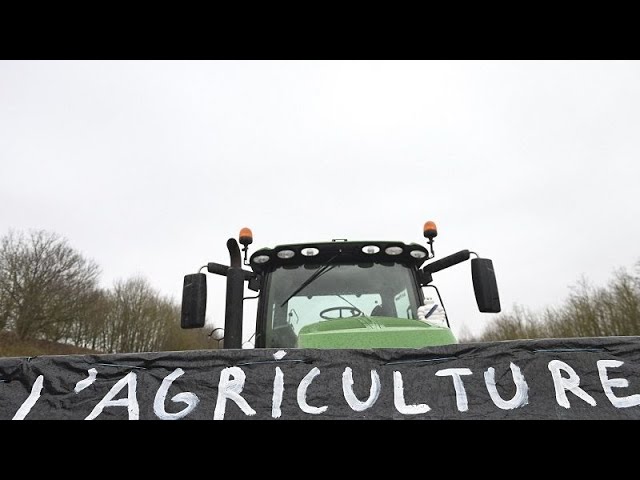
(235, 294)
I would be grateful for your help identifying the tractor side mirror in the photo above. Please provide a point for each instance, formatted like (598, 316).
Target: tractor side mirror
(484, 285)
(194, 300)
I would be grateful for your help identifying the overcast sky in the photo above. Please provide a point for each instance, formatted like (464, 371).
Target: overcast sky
(148, 167)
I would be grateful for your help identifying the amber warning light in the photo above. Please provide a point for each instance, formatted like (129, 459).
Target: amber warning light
(430, 230)
(246, 237)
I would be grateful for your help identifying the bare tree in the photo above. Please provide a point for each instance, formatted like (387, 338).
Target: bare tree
(50, 291)
(140, 319)
(88, 330)
(588, 312)
(176, 338)
(45, 285)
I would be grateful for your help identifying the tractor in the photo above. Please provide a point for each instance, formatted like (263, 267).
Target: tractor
(336, 294)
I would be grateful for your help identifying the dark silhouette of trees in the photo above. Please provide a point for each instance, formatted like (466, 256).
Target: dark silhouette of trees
(45, 285)
(49, 291)
(589, 311)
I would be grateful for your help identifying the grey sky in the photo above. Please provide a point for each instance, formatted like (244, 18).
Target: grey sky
(148, 167)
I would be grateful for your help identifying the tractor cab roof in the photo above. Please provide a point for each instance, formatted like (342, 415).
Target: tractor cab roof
(341, 251)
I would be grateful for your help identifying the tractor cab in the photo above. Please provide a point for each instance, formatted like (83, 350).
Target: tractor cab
(343, 295)
(338, 294)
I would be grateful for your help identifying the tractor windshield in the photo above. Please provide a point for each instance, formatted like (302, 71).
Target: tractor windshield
(360, 292)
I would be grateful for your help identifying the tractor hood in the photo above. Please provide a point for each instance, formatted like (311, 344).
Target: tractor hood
(383, 332)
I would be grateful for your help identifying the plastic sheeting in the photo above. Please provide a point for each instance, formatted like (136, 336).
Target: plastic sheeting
(589, 378)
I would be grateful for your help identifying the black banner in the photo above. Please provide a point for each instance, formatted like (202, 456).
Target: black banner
(593, 378)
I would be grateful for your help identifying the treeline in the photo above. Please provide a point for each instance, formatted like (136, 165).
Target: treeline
(589, 311)
(49, 291)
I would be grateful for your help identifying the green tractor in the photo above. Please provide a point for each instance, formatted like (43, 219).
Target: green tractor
(338, 294)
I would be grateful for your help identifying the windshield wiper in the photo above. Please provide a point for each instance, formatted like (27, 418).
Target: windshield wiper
(324, 269)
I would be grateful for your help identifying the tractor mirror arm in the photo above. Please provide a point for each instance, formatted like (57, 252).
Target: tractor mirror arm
(447, 261)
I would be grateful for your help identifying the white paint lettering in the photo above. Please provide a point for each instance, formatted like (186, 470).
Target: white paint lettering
(609, 383)
(82, 384)
(353, 401)
(521, 397)
(188, 398)
(571, 383)
(131, 401)
(461, 393)
(31, 400)
(230, 388)
(398, 398)
(278, 391)
(302, 393)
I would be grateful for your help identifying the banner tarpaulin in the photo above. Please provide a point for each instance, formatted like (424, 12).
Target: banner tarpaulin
(581, 378)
